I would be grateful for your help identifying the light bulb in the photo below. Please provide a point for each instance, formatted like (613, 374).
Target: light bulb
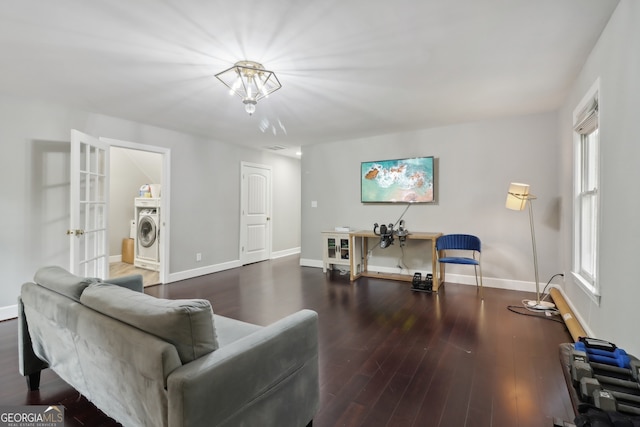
(250, 108)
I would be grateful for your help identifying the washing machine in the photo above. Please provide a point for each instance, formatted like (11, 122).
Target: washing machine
(147, 245)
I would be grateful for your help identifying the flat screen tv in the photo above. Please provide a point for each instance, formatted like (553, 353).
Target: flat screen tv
(398, 181)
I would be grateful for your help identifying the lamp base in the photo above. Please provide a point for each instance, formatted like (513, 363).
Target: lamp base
(542, 305)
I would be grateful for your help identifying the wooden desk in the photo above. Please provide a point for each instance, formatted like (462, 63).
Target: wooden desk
(365, 235)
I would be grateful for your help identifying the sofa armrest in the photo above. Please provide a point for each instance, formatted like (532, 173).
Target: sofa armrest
(133, 282)
(268, 378)
(29, 364)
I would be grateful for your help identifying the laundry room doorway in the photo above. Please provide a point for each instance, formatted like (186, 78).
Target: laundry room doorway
(139, 211)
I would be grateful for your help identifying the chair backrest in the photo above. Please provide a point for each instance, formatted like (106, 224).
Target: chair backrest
(458, 241)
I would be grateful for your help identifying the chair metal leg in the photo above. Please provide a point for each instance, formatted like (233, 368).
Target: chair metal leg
(475, 270)
(481, 288)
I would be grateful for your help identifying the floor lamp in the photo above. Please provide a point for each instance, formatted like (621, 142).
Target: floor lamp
(517, 198)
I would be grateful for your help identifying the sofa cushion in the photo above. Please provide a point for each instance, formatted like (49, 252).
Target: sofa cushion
(187, 324)
(59, 280)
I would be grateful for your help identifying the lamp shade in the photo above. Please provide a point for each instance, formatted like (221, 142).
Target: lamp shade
(517, 196)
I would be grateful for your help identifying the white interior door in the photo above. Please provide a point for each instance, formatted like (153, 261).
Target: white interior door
(255, 221)
(89, 197)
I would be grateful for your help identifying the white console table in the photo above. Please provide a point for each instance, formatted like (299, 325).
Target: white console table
(337, 250)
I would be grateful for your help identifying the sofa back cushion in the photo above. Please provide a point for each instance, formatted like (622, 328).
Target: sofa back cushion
(187, 324)
(59, 280)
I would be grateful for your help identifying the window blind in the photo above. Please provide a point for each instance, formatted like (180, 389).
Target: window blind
(587, 120)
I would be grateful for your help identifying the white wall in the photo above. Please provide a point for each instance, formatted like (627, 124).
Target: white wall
(205, 197)
(616, 61)
(476, 163)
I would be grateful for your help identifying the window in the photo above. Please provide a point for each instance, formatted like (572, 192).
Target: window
(586, 204)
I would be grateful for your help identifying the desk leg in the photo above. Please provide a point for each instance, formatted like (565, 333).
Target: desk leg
(353, 259)
(434, 266)
(365, 252)
(363, 258)
(438, 269)
(356, 258)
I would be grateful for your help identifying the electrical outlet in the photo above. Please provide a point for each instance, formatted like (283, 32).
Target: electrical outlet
(198, 257)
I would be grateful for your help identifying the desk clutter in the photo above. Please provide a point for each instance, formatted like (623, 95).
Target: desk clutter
(605, 383)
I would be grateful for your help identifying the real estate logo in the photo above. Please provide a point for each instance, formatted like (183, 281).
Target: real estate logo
(32, 416)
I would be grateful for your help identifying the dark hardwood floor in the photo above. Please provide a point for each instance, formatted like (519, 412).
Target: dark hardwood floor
(388, 356)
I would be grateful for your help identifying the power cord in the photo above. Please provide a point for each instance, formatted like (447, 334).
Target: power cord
(541, 314)
(530, 311)
(370, 251)
(401, 264)
(529, 305)
(344, 271)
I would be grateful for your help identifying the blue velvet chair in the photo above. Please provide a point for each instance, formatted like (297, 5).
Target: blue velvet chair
(462, 245)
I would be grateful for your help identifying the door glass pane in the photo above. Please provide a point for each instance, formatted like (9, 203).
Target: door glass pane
(331, 247)
(82, 219)
(90, 223)
(93, 160)
(99, 216)
(83, 157)
(344, 248)
(99, 188)
(100, 162)
(84, 185)
(90, 245)
(99, 239)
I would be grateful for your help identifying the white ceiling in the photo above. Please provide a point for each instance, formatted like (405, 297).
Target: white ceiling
(349, 68)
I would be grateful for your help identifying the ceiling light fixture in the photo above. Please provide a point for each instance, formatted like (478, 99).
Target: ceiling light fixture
(250, 81)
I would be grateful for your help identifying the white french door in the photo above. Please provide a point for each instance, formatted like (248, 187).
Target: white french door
(89, 255)
(255, 221)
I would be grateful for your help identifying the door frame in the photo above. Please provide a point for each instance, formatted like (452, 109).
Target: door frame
(165, 204)
(269, 243)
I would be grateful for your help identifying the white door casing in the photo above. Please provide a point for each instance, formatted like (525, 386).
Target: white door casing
(89, 198)
(165, 200)
(255, 212)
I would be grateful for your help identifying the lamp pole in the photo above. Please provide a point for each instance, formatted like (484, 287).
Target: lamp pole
(538, 305)
(535, 252)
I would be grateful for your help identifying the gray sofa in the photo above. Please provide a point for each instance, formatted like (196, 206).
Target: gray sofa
(146, 361)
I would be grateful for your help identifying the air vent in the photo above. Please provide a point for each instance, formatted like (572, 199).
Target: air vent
(276, 147)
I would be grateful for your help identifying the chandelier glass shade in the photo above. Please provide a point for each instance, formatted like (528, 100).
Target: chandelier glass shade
(250, 81)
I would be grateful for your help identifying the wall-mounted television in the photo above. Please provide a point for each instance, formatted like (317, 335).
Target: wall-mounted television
(398, 181)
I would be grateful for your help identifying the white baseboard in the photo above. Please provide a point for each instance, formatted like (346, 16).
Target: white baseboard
(8, 312)
(306, 262)
(189, 274)
(286, 252)
(115, 258)
(576, 313)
